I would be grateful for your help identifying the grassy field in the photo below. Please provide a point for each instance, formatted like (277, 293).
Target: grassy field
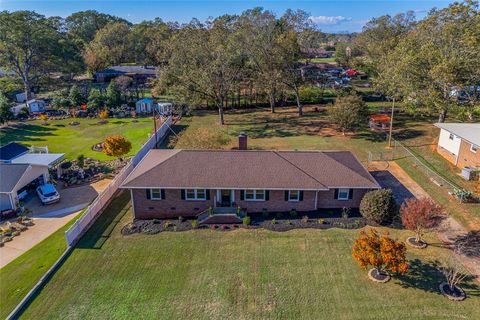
(19, 276)
(242, 274)
(319, 60)
(61, 137)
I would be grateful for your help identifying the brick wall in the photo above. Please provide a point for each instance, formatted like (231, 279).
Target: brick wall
(467, 158)
(277, 203)
(173, 206)
(326, 199)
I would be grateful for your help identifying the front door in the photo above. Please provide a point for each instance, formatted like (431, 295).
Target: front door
(226, 198)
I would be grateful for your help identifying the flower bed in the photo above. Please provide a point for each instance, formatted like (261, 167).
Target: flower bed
(155, 226)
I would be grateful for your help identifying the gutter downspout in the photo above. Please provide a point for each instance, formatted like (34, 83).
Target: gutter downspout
(316, 200)
(133, 204)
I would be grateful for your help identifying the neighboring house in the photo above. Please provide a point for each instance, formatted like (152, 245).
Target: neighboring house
(144, 105)
(137, 73)
(171, 183)
(459, 143)
(34, 106)
(20, 168)
(14, 182)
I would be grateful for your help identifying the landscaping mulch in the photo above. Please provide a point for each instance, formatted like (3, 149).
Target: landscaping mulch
(411, 241)
(378, 276)
(154, 226)
(457, 294)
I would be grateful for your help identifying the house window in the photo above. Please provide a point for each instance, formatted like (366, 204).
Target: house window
(156, 194)
(451, 136)
(293, 195)
(196, 194)
(255, 195)
(343, 194)
(473, 148)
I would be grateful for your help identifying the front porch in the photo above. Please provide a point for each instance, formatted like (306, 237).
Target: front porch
(221, 215)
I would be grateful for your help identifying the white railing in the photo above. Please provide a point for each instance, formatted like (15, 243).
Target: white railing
(82, 224)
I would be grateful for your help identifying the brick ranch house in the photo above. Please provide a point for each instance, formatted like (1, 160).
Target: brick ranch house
(187, 183)
(459, 143)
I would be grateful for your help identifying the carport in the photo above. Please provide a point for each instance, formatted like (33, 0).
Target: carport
(14, 180)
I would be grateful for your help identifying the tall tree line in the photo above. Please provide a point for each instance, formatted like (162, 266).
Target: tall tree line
(431, 64)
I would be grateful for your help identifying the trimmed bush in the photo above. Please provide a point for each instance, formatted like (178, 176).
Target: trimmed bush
(378, 206)
(246, 220)
(194, 224)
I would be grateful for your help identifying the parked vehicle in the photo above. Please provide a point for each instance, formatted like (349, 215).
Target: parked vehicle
(48, 194)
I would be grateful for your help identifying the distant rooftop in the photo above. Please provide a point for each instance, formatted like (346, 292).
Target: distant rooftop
(466, 131)
(148, 70)
(12, 150)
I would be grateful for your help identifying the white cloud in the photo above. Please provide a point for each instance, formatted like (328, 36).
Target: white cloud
(329, 20)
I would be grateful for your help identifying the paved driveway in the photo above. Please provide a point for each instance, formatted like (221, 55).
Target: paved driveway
(50, 218)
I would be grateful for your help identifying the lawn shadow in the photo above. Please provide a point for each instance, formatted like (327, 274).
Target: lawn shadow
(427, 276)
(25, 132)
(101, 230)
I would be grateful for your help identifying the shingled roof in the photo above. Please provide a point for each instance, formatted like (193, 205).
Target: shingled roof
(252, 169)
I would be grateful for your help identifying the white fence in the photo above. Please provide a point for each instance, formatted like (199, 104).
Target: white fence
(82, 224)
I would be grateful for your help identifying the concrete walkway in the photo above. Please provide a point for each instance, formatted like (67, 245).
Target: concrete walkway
(48, 219)
(43, 227)
(448, 230)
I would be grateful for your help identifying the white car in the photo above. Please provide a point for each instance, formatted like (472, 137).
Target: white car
(48, 194)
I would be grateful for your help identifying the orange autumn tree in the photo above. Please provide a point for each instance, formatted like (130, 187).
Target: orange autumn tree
(116, 146)
(380, 251)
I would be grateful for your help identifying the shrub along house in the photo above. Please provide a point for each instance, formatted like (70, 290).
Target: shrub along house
(171, 183)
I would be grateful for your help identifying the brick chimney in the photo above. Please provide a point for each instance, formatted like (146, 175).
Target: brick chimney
(242, 141)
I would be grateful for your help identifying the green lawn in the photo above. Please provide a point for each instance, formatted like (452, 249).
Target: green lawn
(20, 275)
(319, 60)
(242, 274)
(60, 137)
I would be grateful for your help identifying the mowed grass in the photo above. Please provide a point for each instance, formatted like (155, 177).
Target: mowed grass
(242, 274)
(20, 275)
(60, 137)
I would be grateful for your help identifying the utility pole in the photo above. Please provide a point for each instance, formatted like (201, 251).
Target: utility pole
(391, 124)
(154, 127)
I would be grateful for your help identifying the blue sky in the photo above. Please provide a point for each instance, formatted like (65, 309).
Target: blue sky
(331, 16)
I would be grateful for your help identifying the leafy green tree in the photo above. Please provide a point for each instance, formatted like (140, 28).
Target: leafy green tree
(83, 25)
(95, 99)
(379, 38)
(441, 55)
(31, 46)
(5, 112)
(205, 62)
(112, 45)
(75, 96)
(113, 95)
(260, 37)
(347, 112)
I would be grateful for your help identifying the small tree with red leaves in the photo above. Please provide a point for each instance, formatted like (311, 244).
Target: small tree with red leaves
(420, 215)
(380, 251)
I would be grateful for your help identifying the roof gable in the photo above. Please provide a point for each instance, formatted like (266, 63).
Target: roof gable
(10, 174)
